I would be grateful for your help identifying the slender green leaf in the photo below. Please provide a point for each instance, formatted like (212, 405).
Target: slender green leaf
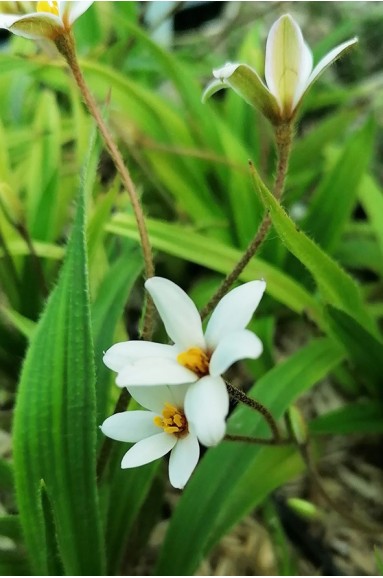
(107, 309)
(336, 196)
(10, 527)
(365, 351)
(363, 417)
(197, 248)
(371, 197)
(335, 285)
(6, 476)
(128, 491)
(55, 429)
(21, 323)
(241, 475)
(13, 563)
(42, 176)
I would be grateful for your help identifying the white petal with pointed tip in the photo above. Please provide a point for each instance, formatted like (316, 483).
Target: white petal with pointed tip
(154, 397)
(178, 313)
(206, 407)
(234, 346)
(329, 59)
(225, 71)
(288, 63)
(234, 311)
(183, 459)
(154, 371)
(126, 352)
(74, 10)
(130, 426)
(148, 450)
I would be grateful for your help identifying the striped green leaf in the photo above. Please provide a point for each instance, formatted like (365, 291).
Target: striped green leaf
(55, 429)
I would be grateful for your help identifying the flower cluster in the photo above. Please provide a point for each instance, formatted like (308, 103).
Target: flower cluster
(181, 384)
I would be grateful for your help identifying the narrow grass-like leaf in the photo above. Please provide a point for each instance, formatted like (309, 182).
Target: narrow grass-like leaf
(241, 475)
(13, 563)
(336, 286)
(128, 491)
(10, 527)
(42, 176)
(336, 196)
(6, 476)
(54, 427)
(309, 149)
(107, 309)
(197, 248)
(371, 197)
(365, 351)
(363, 417)
(21, 323)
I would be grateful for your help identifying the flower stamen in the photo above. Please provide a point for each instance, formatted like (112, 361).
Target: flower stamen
(51, 6)
(196, 360)
(173, 420)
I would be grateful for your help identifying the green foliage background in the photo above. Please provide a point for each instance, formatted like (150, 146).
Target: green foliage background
(63, 302)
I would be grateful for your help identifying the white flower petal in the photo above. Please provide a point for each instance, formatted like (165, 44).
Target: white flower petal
(206, 407)
(130, 426)
(288, 63)
(154, 371)
(234, 346)
(178, 313)
(73, 10)
(148, 450)
(234, 311)
(154, 397)
(126, 352)
(34, 26)
(183, 459)
(6, 20)
(225, 71)
(329, 59)
(246, 82)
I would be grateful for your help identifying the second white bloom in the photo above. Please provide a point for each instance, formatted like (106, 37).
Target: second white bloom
(195, 358)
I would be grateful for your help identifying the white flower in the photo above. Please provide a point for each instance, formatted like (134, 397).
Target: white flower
(289, 72)
(51, 19)
(162, 429)
(195, 358)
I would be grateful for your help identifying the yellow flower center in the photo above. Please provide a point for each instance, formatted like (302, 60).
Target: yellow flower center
(173, 420)
(51, 7)
(195, 359)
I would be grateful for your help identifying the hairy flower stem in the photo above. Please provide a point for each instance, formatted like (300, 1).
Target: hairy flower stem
(256, 406)
(66, 46)
(283, 139)
(258, 441)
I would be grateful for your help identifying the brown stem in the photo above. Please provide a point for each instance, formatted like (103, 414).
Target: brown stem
(256, 406)
(66, 46)
(258, 441)
(283, 138)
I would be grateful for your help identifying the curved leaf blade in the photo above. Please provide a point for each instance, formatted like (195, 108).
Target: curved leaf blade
(55, 429)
